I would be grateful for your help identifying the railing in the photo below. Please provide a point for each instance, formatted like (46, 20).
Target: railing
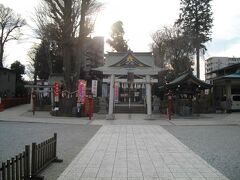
(17, 168)
(43, 154)
(22, 167)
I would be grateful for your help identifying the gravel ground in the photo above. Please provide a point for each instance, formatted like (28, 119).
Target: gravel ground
(71, 139)
(218, 145)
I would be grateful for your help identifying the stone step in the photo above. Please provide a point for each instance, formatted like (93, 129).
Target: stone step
(132, 109)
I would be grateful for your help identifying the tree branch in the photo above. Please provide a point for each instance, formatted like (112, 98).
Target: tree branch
(54, 9)
(19, 23)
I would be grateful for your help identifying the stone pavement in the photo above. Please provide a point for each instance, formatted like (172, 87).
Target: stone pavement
(131, 147)
(22, 114)
(137, 152)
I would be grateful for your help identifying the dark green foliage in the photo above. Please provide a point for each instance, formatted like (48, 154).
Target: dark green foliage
(42, 57)
(117, 41)
(196, 22)
(20, 70)
(48, 60)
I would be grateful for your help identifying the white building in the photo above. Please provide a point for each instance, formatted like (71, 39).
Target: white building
(216, 63)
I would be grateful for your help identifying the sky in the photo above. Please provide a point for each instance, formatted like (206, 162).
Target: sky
(140, 20)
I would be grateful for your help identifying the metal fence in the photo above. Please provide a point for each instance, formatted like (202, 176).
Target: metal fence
(24, 167)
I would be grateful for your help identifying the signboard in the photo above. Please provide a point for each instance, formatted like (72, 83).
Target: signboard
(94, 88)
(116, 92)
(82, 84)
(56, 91)
(46, 90)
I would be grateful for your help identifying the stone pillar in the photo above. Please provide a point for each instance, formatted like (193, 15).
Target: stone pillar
(52, 97)
(110, 115)
(228, 96)
(149, 97)
(228, 89)
(31, 99)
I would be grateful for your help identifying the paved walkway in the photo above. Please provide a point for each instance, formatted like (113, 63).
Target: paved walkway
(137, 152)
(21, 114)
(131, 147)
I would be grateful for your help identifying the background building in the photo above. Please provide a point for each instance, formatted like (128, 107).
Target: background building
(7, 82)
(213, 64)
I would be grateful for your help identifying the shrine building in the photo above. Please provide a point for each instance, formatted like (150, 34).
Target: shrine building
(128, 78)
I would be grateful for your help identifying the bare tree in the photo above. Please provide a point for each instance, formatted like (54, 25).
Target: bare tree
(67, 22)
(10, 25)
(31, 67)
(174, 50)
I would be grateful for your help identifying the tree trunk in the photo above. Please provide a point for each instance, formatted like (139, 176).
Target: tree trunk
(67, 46)
(49, 60)
(1, 55)
(66, 106)
(198, 66)
(79, 54)
(67, 68)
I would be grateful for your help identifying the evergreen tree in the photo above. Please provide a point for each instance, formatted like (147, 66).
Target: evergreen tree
(20, 70)
(117, 41)
(196, 22)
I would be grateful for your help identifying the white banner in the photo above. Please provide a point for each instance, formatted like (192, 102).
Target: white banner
(116, 93)
(94, 88)
(104, 90)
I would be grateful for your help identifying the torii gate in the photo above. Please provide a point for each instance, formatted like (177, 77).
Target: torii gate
(118, 64)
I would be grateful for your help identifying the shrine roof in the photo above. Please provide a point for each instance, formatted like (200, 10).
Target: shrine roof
(235, 75)
(186, 77)
(136, 62)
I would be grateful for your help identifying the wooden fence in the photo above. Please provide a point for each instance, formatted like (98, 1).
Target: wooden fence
(10, 102)
(17, 168)
(22, 167)
(43, 154)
